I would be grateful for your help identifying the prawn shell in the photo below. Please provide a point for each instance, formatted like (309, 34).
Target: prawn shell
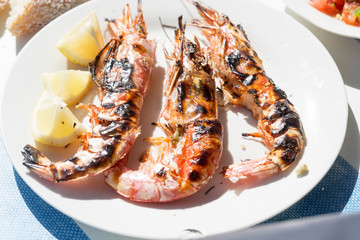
(244, 82)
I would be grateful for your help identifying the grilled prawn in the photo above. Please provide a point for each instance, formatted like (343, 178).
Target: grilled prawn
(177, 166)
(244, 82)
(122, 72)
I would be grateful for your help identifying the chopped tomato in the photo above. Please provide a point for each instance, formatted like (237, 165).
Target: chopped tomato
(330, 7)
(348, 13)
(339, 3)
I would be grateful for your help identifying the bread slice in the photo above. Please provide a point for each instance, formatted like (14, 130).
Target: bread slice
(3, 3)
(31, 15)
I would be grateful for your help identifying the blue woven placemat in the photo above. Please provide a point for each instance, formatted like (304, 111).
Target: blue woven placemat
(24, 215)
(337, 192)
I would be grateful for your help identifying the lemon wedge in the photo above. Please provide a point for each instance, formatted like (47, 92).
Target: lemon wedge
(70, 86)
(83, 42)
(53, 123)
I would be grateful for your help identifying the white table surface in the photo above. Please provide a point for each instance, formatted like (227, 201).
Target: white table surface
(342, 50)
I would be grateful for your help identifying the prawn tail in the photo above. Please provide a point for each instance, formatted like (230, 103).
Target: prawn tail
(37, 162)
(259, 168)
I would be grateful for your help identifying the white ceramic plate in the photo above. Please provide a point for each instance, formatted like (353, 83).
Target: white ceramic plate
(307, 73)
(328, 23)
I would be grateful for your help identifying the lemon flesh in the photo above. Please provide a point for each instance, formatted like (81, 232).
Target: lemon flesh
(53, 123)
(83, 42)
(70, 86)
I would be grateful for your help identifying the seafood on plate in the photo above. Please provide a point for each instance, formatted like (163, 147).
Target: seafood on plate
(244, 82)
(181, 163)
(122, 71)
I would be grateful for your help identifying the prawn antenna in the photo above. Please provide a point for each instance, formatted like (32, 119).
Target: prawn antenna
(139, 8)
(163, 26)
(186, 8)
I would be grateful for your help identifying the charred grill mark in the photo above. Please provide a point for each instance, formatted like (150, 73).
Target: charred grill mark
(204, 90)
(81, 169)
(280, 93)
(125, 126)
(233, 60)
(207, 93)
(202, 159)
(63, 175)
(108, 105)
(202, 127)
(107, 151)
(107, 102)
(200, 109)
(288, 147)
(104, 155)
(125, 110)
(269, 78)
(250, 80)
(116, 128)
(291, 119)
(207, 69)
(243, 31)
(118, 80)
(191, 49)
(288, 156)
(110, 20)
(194, 175)
(74, 160)
(111, 128)
(235, 95)
(281, 108)
(250, 60)
(254, 92)
(181, 89)
(286, 142)
(161, 172)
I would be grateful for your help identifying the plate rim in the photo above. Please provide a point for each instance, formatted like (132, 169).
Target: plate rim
(312, 15)
(93, 2)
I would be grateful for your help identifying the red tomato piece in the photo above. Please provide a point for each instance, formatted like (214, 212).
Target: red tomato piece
(348, 13)
(330, 7)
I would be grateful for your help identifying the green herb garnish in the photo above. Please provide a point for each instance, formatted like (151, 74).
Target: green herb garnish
(357, 12)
